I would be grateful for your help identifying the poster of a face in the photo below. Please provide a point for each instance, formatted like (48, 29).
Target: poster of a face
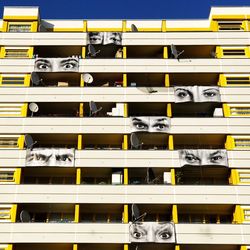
(151, 124)
(52, 157)
(197, 94)
(199, 157)
(105, 38)
(68, 64)
(158, 232)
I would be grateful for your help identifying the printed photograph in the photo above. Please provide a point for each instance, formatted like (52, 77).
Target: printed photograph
(50, 157)
(158, 232)
(69, 64)
(105, 38)
(151, 124)
(203, 157)
(196, 94)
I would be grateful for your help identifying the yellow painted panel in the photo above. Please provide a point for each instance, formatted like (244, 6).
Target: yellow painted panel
(124, 80)
(13, 213)
(226, 110)
(163, 26)
(124, 25)
(171, 142)
(124, 52)
(77, 213)
(173, 176)
(165, 52)
(174, 214)
(85, 25)
(169, 110)
(75, 247)
(21, 142)
(167, 81)
(125, 214)
(78, 176)
(230, 144)
(79, 142)
(17, 175)
(238, 216)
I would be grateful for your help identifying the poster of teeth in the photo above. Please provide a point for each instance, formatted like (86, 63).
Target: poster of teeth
(64, 64)
(196, 94)
(151, 124)
(158, 232)
(105, 38)
(203, 157)
(50, 157)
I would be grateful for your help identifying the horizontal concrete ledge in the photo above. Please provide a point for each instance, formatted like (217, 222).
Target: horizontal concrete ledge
(125, 194)
(118, 233)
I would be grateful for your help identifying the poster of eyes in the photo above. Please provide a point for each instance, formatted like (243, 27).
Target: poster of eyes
(68, 64)
(52, 157)
(151, 124)
(158, 232)
(203, 157)
(105, 38)
(197, 94)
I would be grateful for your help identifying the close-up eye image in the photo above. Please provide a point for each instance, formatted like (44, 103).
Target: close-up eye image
(189, 157)
(159, 124)
(214, 157)
(183, 94)
(138, 232)
(164, 232)
(53, 157)
(139, 124)
(208, 94)
(44, 64)
(68, 64)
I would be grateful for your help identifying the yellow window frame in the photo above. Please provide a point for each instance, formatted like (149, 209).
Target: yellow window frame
(26, 81)
(220, 52)
(16, 175)
(30, 51)
(230, 109)
(223, 79)
(22, 107)
(33, 25)
(216, 27)
(19, 139)
(10, 211)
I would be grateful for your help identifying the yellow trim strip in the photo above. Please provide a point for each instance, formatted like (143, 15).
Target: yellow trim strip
(77, 210)
(24, 18)
(174, 214)
(104, 29)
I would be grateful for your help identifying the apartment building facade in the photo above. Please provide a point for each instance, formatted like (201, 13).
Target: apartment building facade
(125, 134)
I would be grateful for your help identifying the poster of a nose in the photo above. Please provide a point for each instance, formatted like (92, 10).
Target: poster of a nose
(158, 232)
(197, 94)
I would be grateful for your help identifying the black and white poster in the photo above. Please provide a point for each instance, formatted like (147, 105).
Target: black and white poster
(197, 94)
(203, 157)
(158, 232)
(51, 157)
(105, 38)
(151, 124)
(68, 64)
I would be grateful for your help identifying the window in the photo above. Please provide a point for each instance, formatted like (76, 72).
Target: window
(12, 109)
(240, 111)
(16, 52)
(19, 27)
(230, 25)
(15, 80)
(5, 213)
(244, 176)
(242, 143)
(9, 141)
(7, 175)
(238, 80)
(234, 52)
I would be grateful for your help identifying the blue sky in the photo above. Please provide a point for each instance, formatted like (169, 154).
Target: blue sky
(123, 9)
